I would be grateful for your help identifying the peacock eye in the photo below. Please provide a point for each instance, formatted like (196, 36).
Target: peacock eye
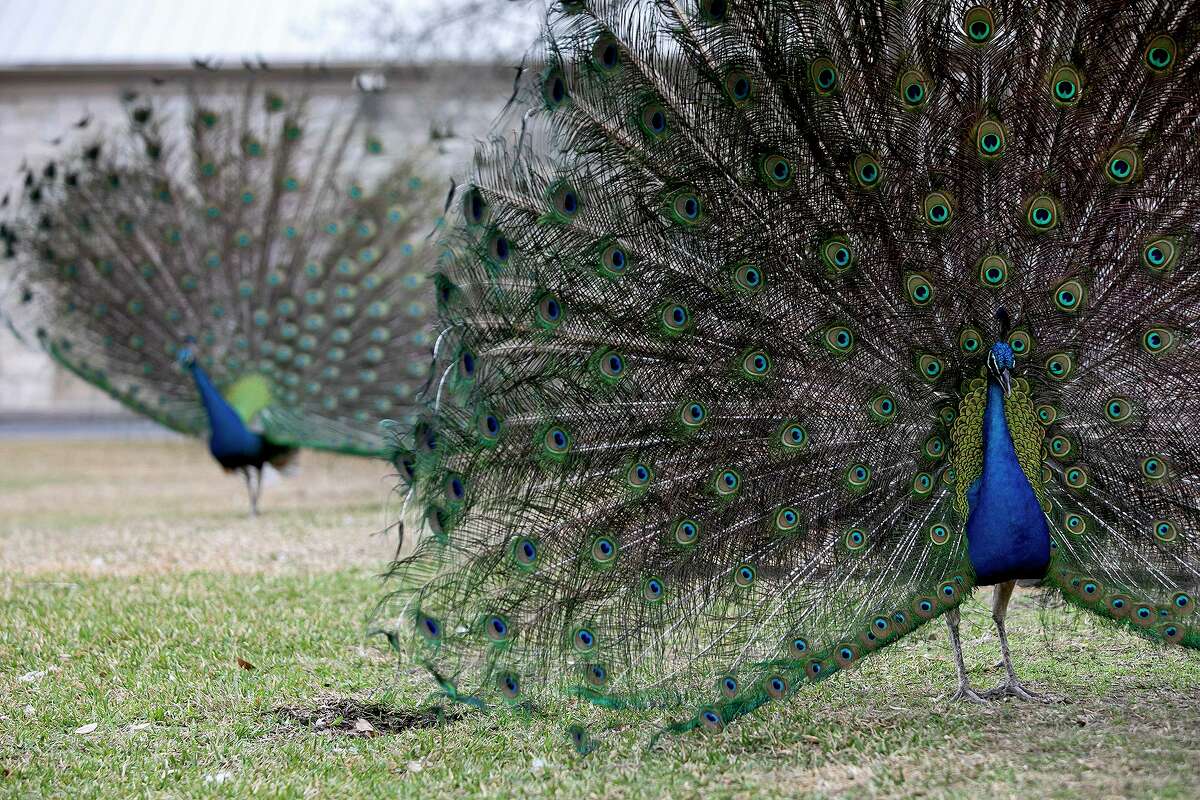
(1066, 84)
(713, 10)
(979, 25)
(652, 119)
(855, 539)
(1159, 56)
(1069, 295)
(693, 415)
(639, 475)
(787, 519)
(564, 200)
(824, 76)
(1059, 366)
(990, 139)
(913, 89)
(993, 271)
(930, 367)
(937, 209)
(1154, 468)
(675, 318)
(744, 576)
(922, 484)
(685, 207)
(838, 255)
(739, 85)
(939, 533)
(614, 260)
(604, 550)
(686, 532)
(499, 248)
(748, 278)
(606, 53)
(1118, 409)
(475, 207)
(756, 364)
(556, 441)
(1074, 523)
(554, 89)
(776, 171)
(1123, 165)
(1076, 477)
(970, 341)
(858, 476)
(653, 590)
(839, 339)
(793, 436)
(882, 407)
(1041, 213)
(1021, 343)
(727, 482)
(1157, 341)
(865, 171)
(920, 290)
(610, 364)
(1160, 254)
(549, 312)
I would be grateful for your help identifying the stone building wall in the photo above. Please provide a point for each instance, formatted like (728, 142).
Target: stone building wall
(39, 108)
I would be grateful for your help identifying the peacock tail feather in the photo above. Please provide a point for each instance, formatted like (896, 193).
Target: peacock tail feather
(708, 398)
(276, 241)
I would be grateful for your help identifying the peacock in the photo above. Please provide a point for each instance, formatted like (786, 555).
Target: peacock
(772, 330)
(236, 261)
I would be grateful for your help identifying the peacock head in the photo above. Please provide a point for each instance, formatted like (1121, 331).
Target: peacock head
(186, 356)
(1000, 363)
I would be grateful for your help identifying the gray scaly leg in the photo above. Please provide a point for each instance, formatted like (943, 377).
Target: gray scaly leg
(965, 692)
(1010, 686)
(247, 473)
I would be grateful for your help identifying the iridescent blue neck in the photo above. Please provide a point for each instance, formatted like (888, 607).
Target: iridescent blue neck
(230, 439)
(1007, 536)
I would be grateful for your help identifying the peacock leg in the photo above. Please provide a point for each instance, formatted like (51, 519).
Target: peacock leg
(248, 474)
(965, 692)
(1010, 686)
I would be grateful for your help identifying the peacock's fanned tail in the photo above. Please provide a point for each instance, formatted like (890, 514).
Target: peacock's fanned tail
(714, 317)
(264, 228)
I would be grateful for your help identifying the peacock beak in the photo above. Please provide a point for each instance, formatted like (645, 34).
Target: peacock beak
(1006, 381)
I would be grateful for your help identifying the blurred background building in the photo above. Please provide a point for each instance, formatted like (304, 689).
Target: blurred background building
(448, 68)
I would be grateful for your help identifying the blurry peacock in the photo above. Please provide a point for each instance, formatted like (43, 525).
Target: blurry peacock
(771, 330)
(231, 263)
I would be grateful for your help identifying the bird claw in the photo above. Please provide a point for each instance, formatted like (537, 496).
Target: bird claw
(965, 694)
(1013, 688)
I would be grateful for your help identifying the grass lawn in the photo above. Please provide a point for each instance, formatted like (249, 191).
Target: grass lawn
(132, 584)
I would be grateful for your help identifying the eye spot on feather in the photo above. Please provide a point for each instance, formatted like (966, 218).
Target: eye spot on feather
(993, 271)
(935, 447)
(748, 278)
(865, 171)
(488, 427)
(824, 76)
(949, 593)
(675, 318)
(1161, 254)
(845, 655)
(604, 551)
(693, 415)
(919, 289)
(776, 686)
(787, 520)
(838, 255)
(855, 539)
(727, 685)
(727, 483)
(509, 685)
(1061, 447)
(606, 54)
(839, 340)
(686, 532)
(610, 365)
(1075, 523)
(912, 89)
(858, 476)
(739, 86)
(937, 209)
(1157, 341)
(1021, 343)
(1182, 602)
(525, 552)
(979, 25)
(556, 441)
(497, 629)
(1164, 530)
(1160, 54)
(1066, 85)
(711, 720)
(549, 312)
(475, 207)
(776, 171)
(882, 408)
(1041, 213)
(653, 590)
(990, 139)
(756, 365)
(1076, 477)
(554, 89)
(970, 341)
(1059, 366)
(429, 627)
(930, 367)
(564, 201)
(743, 576)
(499, 249)
(639, 476)
(1118, 409)
(583, 639)
(799, 646)
(815, 670)
(1154, 468)
(1123, 165)
(793, 436)
(1047, 414)
(922, 484)
(925, 607)
(685, 207)
(1069, 296)
(652, 119)
(713, 11)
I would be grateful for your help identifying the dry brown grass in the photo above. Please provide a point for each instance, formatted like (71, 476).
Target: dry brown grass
(132, 507)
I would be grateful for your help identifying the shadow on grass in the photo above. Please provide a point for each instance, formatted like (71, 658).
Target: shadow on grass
(349, 717)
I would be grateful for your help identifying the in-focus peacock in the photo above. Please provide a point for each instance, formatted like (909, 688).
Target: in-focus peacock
(774, 329)
(232, 265)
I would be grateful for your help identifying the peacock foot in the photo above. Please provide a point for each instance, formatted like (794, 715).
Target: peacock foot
(965, 694)
(1011, 687)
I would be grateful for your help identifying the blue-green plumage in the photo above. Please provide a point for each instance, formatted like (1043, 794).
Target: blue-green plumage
(1007, 535)
(231, 443)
